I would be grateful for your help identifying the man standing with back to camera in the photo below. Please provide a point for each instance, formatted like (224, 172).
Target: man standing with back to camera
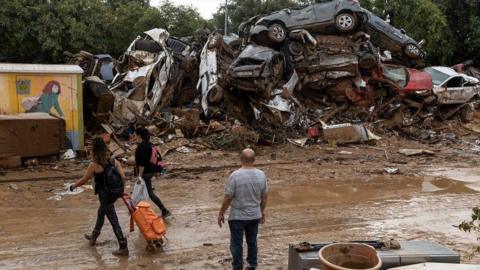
(246, 193)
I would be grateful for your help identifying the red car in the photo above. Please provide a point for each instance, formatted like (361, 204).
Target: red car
(407, 80)
(398, 79)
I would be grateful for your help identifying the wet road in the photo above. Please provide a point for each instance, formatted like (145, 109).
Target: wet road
(308, 201)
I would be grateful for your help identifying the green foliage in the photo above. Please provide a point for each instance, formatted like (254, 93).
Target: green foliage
(38, 31)
(180, 20)
(472, 225)
(242, 10)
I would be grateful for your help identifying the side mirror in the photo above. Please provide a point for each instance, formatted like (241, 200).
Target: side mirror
(289, 11)
(403, 31)
(422, 42)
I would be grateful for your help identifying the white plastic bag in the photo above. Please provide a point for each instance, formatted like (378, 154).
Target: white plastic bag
(140, 192)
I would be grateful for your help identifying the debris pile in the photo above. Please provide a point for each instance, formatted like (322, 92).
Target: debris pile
(278, 79)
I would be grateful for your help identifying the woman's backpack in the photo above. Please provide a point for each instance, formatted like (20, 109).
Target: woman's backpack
(113, 182)
(156, 160)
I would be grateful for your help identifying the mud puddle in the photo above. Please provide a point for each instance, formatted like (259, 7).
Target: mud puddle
(467, 177)
(307, 202)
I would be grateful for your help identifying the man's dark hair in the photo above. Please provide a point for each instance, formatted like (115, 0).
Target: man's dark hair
(143, 133)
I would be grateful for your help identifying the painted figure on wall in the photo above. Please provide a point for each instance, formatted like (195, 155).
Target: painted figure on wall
(46, 101)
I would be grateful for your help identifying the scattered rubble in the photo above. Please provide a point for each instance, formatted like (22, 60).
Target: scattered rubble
(415, 152)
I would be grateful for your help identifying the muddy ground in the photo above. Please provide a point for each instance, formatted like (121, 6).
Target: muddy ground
(317, 193)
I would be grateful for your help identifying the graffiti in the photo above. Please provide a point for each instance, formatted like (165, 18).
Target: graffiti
(47, 100)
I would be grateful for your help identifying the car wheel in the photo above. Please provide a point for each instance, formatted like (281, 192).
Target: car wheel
(277, 33)
(368, 61)
(215, 95)
(295, 48)
(346, 22)
(412, 51)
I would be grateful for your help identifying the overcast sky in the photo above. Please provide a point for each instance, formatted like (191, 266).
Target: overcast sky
(205, 7)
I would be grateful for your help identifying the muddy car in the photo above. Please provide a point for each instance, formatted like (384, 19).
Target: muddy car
(143, 76)
(215, 60)
(407, 80)
(257, 69)
(390, 81)
(455, 92)
(100, 65)
(387, 37)
(327, 16)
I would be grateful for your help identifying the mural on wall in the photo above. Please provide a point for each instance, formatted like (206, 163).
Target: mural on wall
(55, 94)
(46, 101)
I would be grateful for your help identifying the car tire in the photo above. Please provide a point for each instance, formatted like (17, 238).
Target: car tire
(295, 48)
(277, 33)
(346, 22)
(412, 51)
(368, 61)
(215, 95)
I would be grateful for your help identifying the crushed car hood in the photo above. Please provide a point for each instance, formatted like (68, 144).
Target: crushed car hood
(257, 52)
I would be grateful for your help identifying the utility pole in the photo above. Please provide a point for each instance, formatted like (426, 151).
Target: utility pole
(226, 17)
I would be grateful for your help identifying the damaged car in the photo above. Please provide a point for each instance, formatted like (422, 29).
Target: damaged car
(100, 65)
(215, 60)
(257, 69)
(455, 92)
(396, 41)
(389, 81)
(143, 76)
(326, 16)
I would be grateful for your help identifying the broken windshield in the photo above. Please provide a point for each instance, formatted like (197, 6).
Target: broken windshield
(396, 74)
(438, 77)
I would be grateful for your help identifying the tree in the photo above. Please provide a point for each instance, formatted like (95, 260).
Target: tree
(180, 20)
(472, 225)
(463, 28)
(97, 26)
(242, 10)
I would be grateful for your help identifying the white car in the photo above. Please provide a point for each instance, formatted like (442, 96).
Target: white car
(451, 87)
(455, 92)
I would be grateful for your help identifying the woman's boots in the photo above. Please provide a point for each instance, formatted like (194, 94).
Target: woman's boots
(123, 250)
(92, 238)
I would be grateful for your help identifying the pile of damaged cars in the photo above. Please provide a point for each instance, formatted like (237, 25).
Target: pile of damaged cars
(332, 62)
(330, 52)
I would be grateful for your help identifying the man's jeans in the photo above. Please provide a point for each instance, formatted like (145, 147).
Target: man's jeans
(237, 229)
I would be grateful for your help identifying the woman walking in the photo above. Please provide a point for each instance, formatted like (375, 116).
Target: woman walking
(144, 169)
(105, 171)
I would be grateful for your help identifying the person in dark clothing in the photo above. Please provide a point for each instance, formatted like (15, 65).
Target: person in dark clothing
(144, 168)
(100, 160)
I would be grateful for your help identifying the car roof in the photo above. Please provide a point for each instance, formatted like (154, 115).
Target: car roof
(452, 73)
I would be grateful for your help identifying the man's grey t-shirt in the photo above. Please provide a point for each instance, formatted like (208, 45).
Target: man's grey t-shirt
(245, 187)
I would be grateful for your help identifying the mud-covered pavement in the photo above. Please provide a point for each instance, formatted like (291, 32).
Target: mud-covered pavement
(319, 193)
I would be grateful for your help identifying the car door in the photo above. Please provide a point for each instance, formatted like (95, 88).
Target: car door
(454, 91)
(301, 18)
(325, 11)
